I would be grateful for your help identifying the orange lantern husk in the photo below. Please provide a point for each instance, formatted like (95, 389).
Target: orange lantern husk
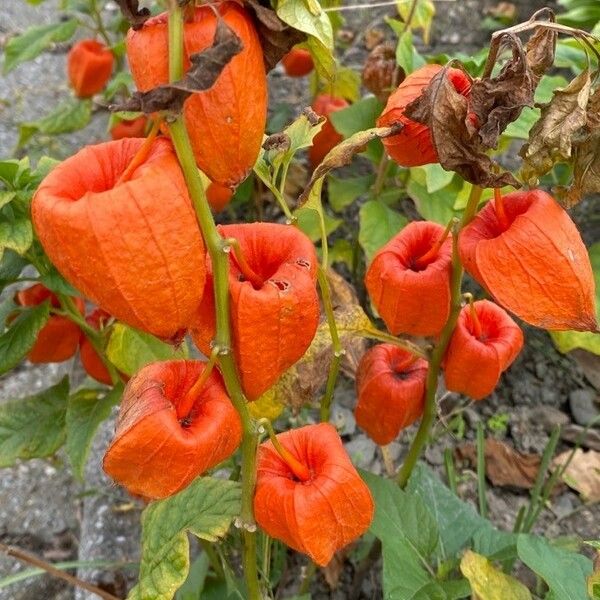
(90, 359)
(409, 280)
(129, 128)
(226, 123)
(319, 516)
(89, 67)
(218, 196)
(483, 345)
(297, 62)
(168, 432)
(57, 340)
(390, 384)
(328, 137)
(413, 146)
(532, 260)
(134, 247)
(274, 323)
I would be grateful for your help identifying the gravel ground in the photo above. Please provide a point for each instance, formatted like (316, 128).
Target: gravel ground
(44, 510)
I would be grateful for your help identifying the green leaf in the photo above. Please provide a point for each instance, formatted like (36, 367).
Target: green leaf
(33, 427)
(422, 15)
(346, 84)
(401, 519)
(11, 265)
(194, 584)
(85, 411)
(71, 115)
(16, 341)
(317, 25)
(205, 509)
(488, 582)
(404, 51)
(6, 198)
(435, 206)
(34, 41)
(457, 521)
(359, 116)
(57, 283)
(566, 341)
(129, 349)
(564, 572)
(495, 544)
(378, 224)
(309, 222)
(436, 177)
(16, 235)
(343, 192)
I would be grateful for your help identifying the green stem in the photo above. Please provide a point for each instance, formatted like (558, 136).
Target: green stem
(338, 350)
(382, 169)
(437, 355)
(95, 13)
(220, 265)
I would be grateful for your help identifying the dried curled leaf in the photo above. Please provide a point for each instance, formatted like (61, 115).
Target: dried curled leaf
(551, 138)
(133, 13)
(206, 66)
(498, 101)
(344, 152)
(586, 158)
(276, 37)
(457, 143)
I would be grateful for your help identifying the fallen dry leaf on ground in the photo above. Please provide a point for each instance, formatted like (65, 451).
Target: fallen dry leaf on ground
(504, 466)
(583, 473)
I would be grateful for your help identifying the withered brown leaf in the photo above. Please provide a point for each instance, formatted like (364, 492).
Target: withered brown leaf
(133, 13)
(344, 152)
(276, 37)
(457, 143)
(550, 139)
(498, 101)
(206, 66)
(504, 466)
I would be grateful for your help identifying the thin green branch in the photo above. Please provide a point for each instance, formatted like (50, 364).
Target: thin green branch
(216, 247)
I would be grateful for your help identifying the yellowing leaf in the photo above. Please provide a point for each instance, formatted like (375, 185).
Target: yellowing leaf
(267, 406)
(488, 582)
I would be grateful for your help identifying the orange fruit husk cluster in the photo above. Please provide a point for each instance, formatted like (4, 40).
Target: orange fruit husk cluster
(413, 146)
(409, 280)
(328, 137)
(133, 247)
(319, 516)
(89, 67)
(167, 432)
(297, 62)
(273, 324)
(226, 123)
(58, 339)
(483, 345)
(532, 260)
(390, 385)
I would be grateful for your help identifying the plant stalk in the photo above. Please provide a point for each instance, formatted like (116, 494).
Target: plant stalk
(437, 355)
(220, 265)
